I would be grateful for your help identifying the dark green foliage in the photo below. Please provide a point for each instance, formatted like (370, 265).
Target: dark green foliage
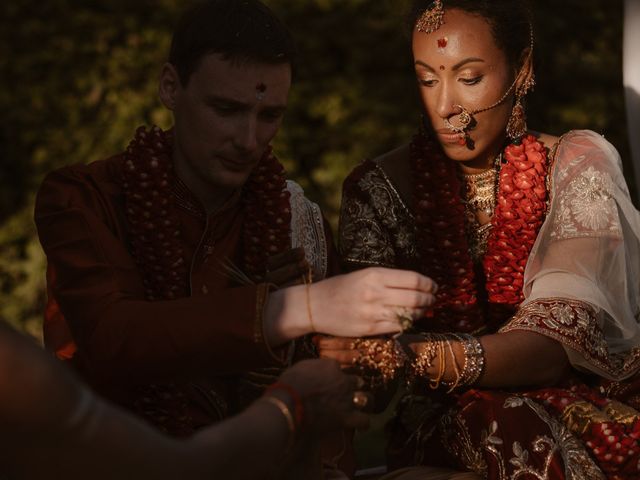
(79, 76)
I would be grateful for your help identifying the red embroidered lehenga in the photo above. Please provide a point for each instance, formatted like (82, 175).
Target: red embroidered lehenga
(581, 287)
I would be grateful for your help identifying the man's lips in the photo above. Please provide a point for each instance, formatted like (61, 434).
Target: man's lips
(235, 163)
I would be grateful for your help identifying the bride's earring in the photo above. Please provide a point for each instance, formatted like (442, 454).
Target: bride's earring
(517, 124)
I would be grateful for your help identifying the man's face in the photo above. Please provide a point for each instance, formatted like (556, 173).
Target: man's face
(225, 118)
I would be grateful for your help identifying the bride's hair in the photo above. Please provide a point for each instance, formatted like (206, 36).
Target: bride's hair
(510, 20)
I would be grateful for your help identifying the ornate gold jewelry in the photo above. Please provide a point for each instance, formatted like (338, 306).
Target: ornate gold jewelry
(380, 360)
(432, 349)
(456, 370)
(473, 359)
(480, 191)
(479, 195)
(423, 362)
(405, 319)
(517, 124)
(360, 400)
(464, 120)
(432, 18)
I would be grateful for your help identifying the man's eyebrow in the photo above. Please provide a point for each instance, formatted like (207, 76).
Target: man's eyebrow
(219, 99)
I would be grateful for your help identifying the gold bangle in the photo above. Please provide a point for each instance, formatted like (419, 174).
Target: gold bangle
(434, 383)
(286, 413)
(456, 369)
(307, 287)
(473, 359)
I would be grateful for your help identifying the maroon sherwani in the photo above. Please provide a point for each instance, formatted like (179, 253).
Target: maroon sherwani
(177, 362)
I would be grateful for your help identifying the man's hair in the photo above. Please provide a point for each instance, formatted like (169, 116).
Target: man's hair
(239, 30)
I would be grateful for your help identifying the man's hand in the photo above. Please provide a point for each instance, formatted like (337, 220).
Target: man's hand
(287, 268)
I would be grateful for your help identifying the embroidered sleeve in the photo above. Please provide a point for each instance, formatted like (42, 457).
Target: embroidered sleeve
(586, 206)
(367, 220)
(575, 325)
(307, 230)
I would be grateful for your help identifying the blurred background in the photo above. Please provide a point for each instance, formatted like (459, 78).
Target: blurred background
(79, 76)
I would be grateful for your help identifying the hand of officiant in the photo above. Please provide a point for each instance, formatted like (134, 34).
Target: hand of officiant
(287, 268)
(331, 399)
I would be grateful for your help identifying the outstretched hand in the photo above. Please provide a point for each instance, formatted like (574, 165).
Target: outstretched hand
(369, 302)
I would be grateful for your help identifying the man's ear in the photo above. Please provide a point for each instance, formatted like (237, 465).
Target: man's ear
(169, 86)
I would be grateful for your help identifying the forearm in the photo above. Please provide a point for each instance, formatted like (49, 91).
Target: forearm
(512, 359)
(137, 339)
(286, 314)
(251, 445)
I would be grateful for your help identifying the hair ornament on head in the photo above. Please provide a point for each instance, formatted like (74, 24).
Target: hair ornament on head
(432, 18)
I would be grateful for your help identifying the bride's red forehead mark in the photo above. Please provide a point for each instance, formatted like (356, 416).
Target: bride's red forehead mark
(442, 42)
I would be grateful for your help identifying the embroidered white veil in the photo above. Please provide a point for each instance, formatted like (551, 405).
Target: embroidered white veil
(588, 248)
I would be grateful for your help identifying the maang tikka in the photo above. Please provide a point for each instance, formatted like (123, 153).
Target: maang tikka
(432, 18)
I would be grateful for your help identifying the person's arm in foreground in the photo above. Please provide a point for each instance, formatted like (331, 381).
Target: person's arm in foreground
(52, 427)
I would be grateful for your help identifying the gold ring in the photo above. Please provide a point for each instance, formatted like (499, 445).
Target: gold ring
(360, 399)
(405, 320)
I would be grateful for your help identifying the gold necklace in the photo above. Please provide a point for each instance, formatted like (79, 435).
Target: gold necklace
(479, 196)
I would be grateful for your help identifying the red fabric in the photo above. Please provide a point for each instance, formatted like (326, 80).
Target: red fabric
(499, 434)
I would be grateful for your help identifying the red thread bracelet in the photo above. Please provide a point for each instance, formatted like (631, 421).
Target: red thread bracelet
(295, 397)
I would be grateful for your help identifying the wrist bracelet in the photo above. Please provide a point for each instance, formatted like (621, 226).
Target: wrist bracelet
(298, 406)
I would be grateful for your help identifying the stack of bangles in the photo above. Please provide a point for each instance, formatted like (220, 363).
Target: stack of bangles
(295, 419)
(436, 348)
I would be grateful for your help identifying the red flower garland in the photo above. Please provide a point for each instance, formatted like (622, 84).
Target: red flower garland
(154, 225)
(520, 212)
(441, 239)
(268, 221)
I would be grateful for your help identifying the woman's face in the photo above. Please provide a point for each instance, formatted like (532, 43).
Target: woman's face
(460, 64)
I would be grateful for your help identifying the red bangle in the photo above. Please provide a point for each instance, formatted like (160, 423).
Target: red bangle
(298, 408)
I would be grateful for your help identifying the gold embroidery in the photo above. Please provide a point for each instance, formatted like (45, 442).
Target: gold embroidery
(375, 231)
(579, 416)
(619, 412)
(574, 324)
(577, 462)
(457, 440)
(586, 208)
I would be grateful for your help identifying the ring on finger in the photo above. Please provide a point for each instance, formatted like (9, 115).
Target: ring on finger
(405, 319)
(360, 399)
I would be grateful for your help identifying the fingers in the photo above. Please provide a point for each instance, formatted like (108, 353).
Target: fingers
(408, 280)
(344, 357)
(408, 298)
(385, 327)
(335, 343)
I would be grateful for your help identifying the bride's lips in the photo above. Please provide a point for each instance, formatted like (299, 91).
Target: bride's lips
(446, 136)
